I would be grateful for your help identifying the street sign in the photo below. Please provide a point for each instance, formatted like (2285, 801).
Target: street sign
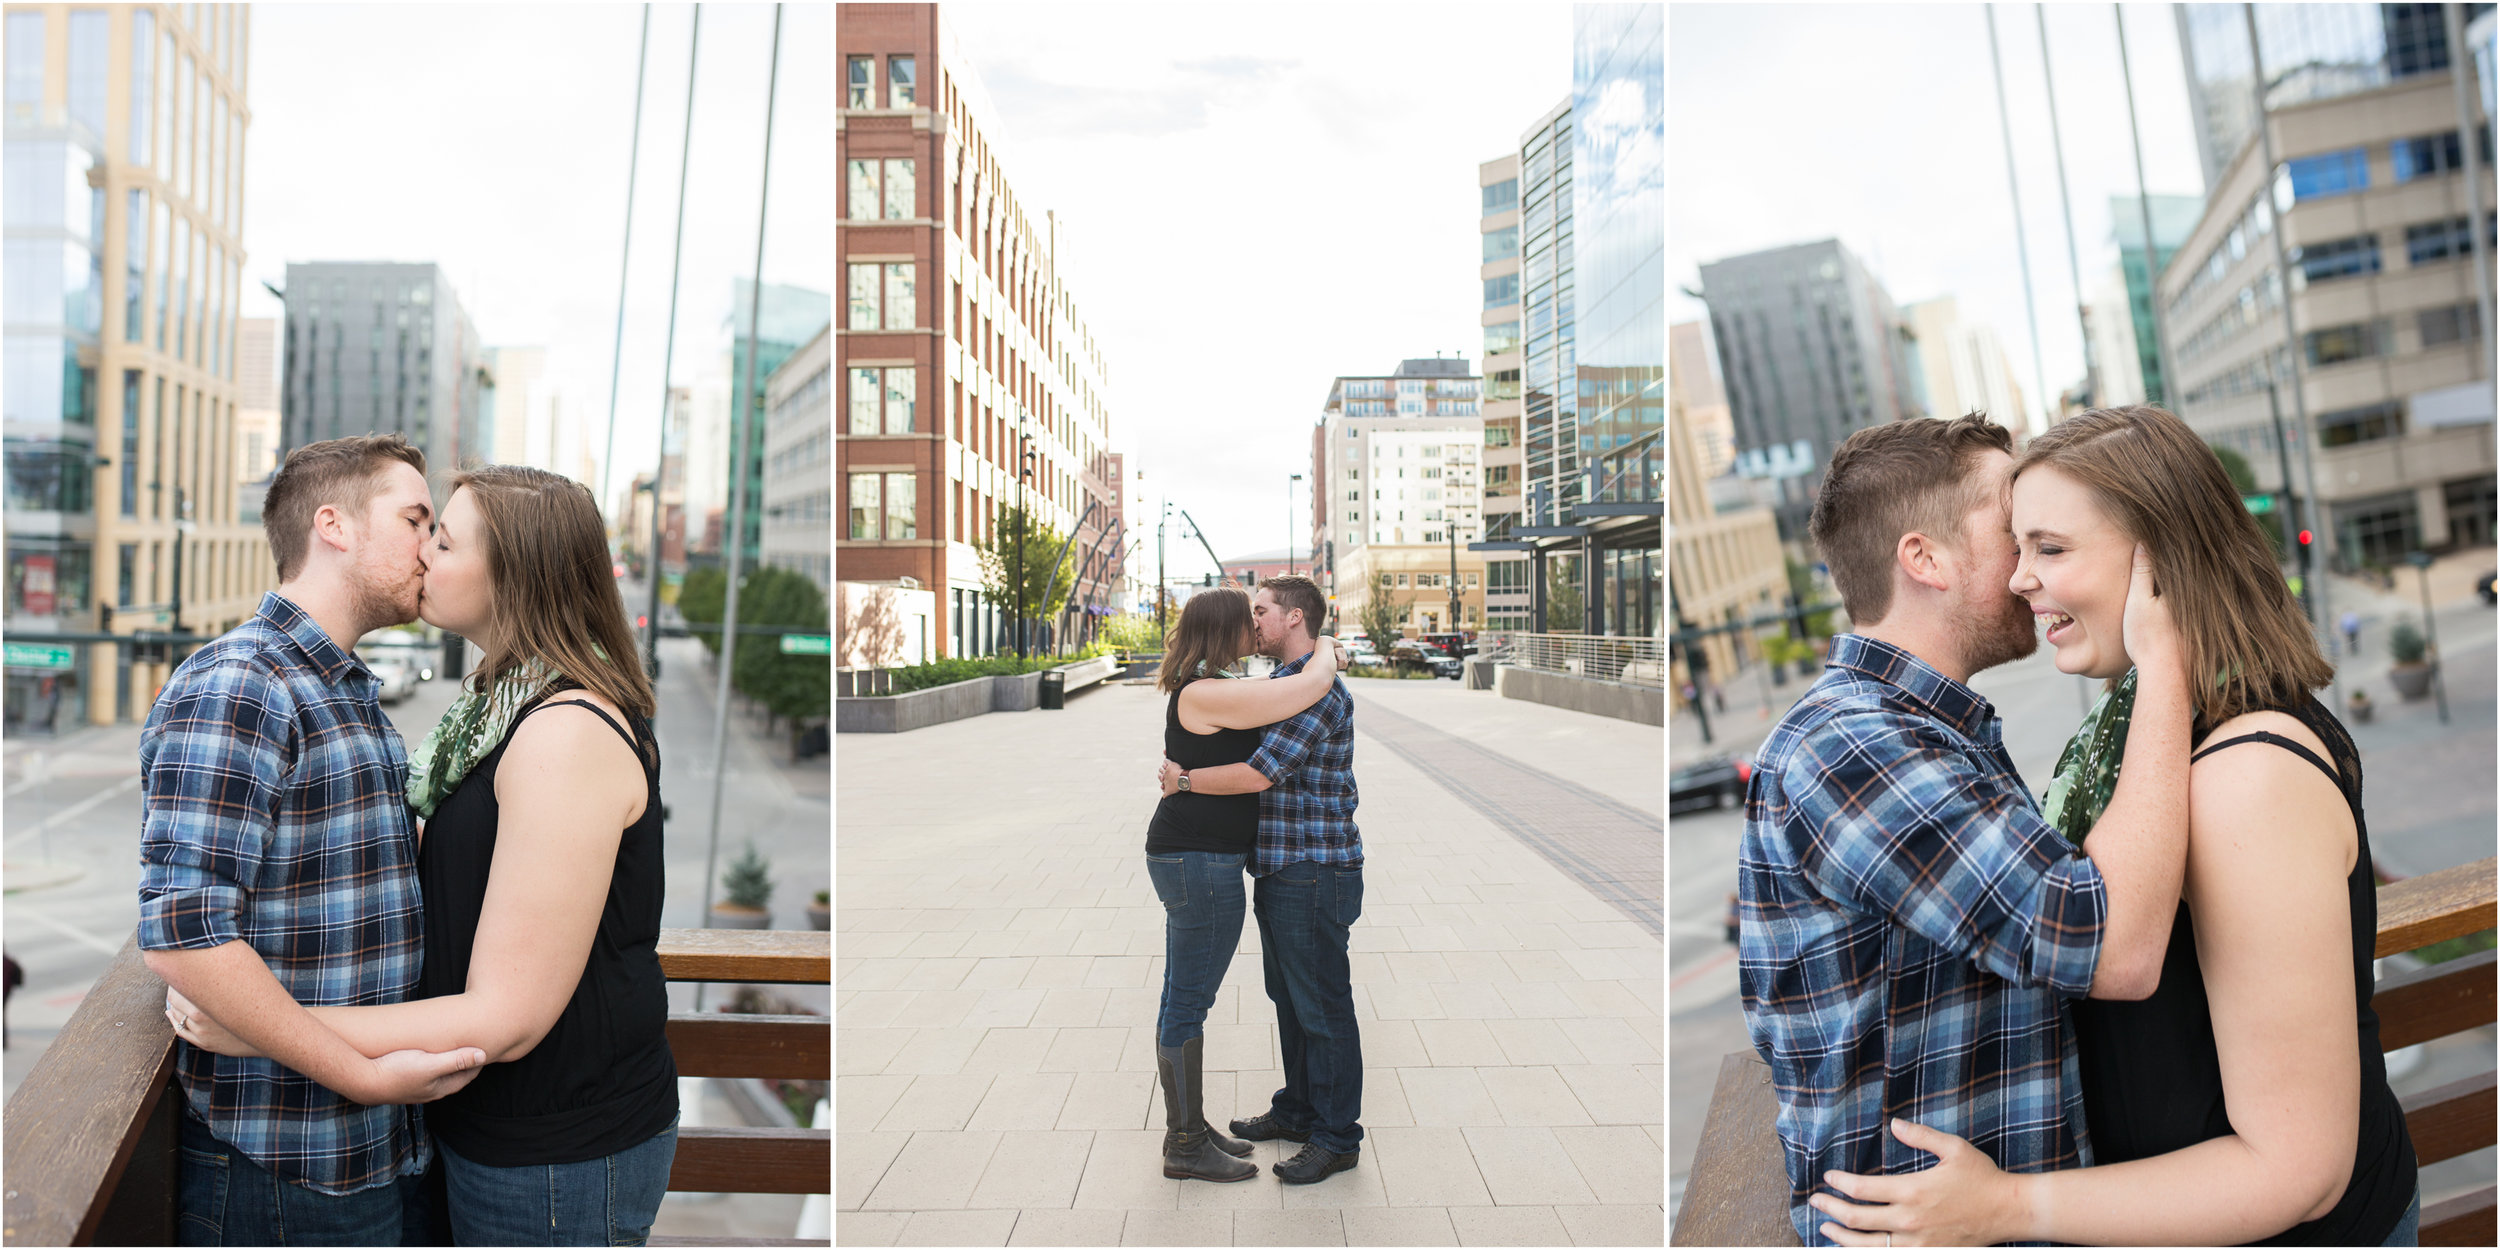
(2259, 504)
(807, 644)
(40, 655)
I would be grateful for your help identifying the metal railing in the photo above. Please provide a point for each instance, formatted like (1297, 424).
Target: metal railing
(1631, 661)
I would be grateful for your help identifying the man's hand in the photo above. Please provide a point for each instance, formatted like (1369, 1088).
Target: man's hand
(1169, 778)
(405, 1076)
(196, 1027)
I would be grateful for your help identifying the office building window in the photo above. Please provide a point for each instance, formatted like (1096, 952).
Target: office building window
(131, 390)
(1501, 196)
(866, 390)
(863, 82)
(1503, 337)
(134, 267)
(899, 186)
(2438, 240)
(864, 193)
(2428, 155)
(2447, 325)
(2361, 425)
(902, 305)
(26, 56)
(864, 301)
(142, 84)
(2328, 173)
(89, 29)
(902, 399)
(901, 506)
(866, 505)
(1502, 291)
(900, 83)
(2341, 343)
(2337, 258)
(1501, 244)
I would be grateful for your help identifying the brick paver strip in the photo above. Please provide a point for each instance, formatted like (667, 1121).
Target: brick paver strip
(1617, 851)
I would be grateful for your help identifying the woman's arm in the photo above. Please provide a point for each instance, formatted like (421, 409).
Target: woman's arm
(566, 787)
(1251, 704)
(2267, 863)
(2139, 844)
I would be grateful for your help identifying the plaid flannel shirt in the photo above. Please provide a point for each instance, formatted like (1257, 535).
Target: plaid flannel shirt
(1909, 928)
(273, 811)
(1307, 811)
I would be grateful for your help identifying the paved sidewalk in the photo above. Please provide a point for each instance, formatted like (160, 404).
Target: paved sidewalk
(998, 964)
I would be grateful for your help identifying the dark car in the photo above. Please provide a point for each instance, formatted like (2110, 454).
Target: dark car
(1417, 654)
(2483, 586)
(1456, 644)
(1715, 782)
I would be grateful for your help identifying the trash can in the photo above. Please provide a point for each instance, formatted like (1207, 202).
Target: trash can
(1054, 691)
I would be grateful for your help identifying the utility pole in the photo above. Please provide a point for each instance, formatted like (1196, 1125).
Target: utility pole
(1024, 522)
(668, 350)
(2312, 507)
(2022, 249)
(1451, 529)
(1160, 575)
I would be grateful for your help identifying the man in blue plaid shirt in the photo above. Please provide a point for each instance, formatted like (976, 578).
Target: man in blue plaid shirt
(278, 871)
(1307, 894)
(1910, 926)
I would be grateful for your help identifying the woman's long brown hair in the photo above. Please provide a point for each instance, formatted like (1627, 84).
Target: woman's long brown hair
(554, 587)
(1213, 624)
(2248, 646)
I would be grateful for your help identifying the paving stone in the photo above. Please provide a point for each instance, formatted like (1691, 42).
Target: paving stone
(1532, 1097)
(935, 1171)
(1178, 1228)
(957, 1228)
(1615, 1226)
(1043, 1227)
(1399, 1226)
(1022, 1100)
(1509, 1226)
(1526, 1166)
(1619, 1162)
(1447, 1097)
(1033, 1169)
(936, 1103)
(1318, 1226)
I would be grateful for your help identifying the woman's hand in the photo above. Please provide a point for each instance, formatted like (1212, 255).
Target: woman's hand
(194, 1026)
(1963, 1201)
(2146, 630)
(1329, 654)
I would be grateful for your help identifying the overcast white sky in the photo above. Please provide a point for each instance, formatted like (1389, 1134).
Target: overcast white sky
(1878, 124)
(494, 140)
(1262, 198)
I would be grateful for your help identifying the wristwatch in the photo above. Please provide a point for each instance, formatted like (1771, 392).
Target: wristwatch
(1185, 782)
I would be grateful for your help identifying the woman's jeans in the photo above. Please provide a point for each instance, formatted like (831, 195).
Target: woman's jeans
(2409, 1229)
(599, 1202)
(1202, 910)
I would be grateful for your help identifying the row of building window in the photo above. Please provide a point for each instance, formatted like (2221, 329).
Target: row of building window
(189, 105)
(50, 577)
(884, 506)
(901, 78)
(884, 401)
(892, 303)
(803, 455)
(800, 509)
(883, 189)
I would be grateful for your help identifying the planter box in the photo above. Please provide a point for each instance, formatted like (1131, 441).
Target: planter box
(2413, 681)
(902, 713)
(1645, 705)
(1020, 693)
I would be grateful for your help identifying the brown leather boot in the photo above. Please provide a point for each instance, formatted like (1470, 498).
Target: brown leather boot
(1191, 1146)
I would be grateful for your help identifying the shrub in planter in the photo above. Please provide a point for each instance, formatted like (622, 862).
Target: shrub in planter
(746, 893)
(820, 910)
(2411, 675)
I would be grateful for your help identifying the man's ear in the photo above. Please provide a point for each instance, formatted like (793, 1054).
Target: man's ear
(1926, 561)
(330, 525)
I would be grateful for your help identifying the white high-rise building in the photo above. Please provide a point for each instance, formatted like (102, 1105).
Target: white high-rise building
(1400, 491)
(1965, 366)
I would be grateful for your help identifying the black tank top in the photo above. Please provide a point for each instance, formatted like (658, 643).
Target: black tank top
(1226, 824)
(602, 1079)
(2152, 1080)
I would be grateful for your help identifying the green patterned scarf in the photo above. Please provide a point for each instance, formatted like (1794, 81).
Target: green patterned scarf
(2087, 773)
(470, 731)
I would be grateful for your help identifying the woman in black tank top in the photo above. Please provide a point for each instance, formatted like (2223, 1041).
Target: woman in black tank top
(2246, 1100)
(1197, 847)
(541, 869)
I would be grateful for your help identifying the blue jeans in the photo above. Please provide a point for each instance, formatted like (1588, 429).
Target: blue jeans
(1202, 907)
(225, 1199)
(2409, 1229)
(608, 1201)
(1305, 912)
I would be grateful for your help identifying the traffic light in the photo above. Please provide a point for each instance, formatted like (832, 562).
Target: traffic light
(2306, 546)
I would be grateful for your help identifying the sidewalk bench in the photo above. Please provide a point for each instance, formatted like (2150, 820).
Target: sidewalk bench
(1085, 673)
(90, 1135)
(1736, 1193)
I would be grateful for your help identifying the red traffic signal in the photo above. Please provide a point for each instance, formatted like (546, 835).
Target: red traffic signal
(641, 621)
(2304, 538)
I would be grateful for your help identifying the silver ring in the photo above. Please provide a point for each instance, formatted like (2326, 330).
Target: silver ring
(1887, 1237)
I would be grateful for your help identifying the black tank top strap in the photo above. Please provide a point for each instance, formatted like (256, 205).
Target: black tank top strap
(2278, 740)
(632, 742)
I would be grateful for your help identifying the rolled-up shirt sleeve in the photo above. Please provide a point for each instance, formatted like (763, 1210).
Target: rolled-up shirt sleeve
(1287, 745)
(212, 780)
(1889, 816)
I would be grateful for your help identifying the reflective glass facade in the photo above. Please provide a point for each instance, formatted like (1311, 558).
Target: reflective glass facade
(1546, 280)
(1618, 96)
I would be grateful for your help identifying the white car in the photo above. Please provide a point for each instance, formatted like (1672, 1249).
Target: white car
(398, 673)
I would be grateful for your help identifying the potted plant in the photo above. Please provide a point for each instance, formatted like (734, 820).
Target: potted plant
(820, 910)
(747, 891)
(2359, 706)
(2411, 673)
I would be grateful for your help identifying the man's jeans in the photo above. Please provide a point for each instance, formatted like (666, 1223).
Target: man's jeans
(1305, 910)
(1202, 908)
(608, 1201)
(225, 1199)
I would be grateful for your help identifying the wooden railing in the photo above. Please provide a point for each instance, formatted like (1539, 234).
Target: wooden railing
(89, 1138)
(1736, 1193)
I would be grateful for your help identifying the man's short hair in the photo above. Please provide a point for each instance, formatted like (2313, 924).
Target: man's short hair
(1889, 480)
(342, 472)
(1293, 591)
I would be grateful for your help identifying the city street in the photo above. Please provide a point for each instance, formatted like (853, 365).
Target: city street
(1001, 956)
(2427, 794)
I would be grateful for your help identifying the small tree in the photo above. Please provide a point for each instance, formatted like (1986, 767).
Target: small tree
(702, 599)
(1565, 611)
(1040, 544)
(787, 685)
(748, 882)
(1380, 614)
(2405, 644)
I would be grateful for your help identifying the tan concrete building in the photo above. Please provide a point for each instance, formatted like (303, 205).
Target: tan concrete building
(798, 463)
(2391, 359)
(126, 125)
(1705, 403)
(1721, 566)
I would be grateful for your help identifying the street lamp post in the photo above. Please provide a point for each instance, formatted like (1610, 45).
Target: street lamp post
(1451, 529)
(1024, 523)
(182, 526)
(1289, 522)
(2421, 562)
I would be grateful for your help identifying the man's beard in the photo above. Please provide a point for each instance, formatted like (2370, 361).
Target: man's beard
(1988, 640)
(380, 603)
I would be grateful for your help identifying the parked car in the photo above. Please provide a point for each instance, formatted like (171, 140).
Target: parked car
(1715, 782)
(1359, 651)
(398, 672)
(1415, 653)
(2483, 586)
(1459, 645)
